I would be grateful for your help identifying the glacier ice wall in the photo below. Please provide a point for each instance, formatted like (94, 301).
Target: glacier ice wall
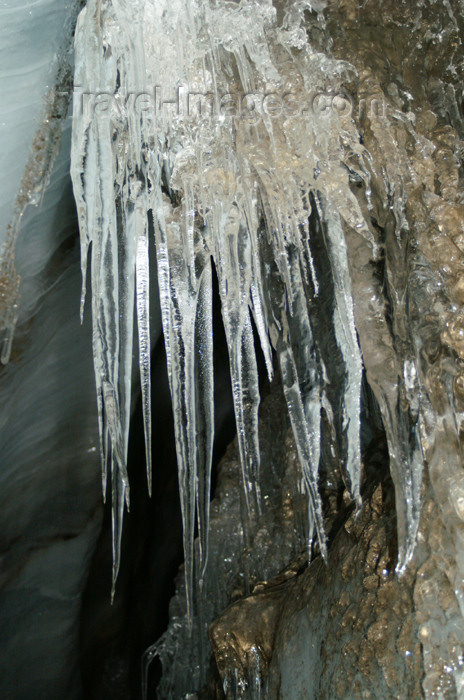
(35, 86)
(51, 509)
(219, 129)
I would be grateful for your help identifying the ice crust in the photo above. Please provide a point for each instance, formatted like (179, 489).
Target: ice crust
(242, 190)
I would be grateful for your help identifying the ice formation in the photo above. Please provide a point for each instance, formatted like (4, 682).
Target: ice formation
(217, 128)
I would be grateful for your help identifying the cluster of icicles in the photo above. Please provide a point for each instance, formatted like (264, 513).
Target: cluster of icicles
(237, 189)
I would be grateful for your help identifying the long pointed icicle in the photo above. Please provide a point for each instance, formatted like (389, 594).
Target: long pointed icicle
(204, 391)
(234, 271)
(143, 324)
(345, 333)
(187, 294)
(301, 380)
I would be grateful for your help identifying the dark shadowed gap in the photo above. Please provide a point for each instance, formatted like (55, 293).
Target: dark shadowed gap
(113, 637)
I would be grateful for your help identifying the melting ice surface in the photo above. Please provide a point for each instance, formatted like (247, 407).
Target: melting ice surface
(205, 124)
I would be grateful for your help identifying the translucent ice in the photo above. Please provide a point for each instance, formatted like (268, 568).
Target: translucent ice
(218, 127)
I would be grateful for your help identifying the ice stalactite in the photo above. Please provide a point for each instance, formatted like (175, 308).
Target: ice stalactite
(217, 128)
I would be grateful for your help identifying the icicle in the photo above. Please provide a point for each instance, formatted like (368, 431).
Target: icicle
(187, 324)
(345, 333)
(109, 226)
(143, 323)
(233, 257)
(205, 408)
